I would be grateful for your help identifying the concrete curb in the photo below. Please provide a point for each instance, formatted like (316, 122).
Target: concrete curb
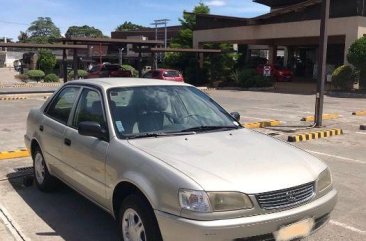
(359, 113)
(315, 135)
(325, 117)
(345, 94)
(261, 124)
(29, 85)
(14, 154)
(246, 89)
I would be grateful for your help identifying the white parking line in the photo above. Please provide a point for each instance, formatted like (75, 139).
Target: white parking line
(338, 157)
(11, 225)
(362, 133)
(353, 229)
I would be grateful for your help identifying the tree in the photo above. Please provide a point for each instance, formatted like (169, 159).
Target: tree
(46, 61)
(43, 30)
(357, 57)
(187, 62)
(23, 37)
(84, 31)
(127, 26)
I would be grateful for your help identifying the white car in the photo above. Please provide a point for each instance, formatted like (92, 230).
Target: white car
(170, 164)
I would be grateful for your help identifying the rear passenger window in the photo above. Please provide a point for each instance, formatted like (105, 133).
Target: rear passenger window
(61, 107)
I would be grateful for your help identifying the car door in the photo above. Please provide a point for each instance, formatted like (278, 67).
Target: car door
(52, 128)
(86, 155)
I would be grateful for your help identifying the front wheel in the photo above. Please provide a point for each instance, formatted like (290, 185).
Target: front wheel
(137, 220)
(44, 181)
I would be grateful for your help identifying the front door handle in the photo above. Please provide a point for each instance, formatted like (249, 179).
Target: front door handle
(67, 142)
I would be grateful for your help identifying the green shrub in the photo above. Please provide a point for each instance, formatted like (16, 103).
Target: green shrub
(342, 78)
(35, 74)
(357, 57)
(51, 78)
(134, 72)
(81, 74)
(248, 78)
(46, 61)
(22, 77)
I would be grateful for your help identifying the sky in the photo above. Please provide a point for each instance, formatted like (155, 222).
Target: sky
(106, 15)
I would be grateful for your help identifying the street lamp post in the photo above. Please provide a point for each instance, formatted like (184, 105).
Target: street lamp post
(121, 55)
(323, 47)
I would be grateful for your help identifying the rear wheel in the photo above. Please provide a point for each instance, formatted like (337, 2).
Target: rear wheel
(43, 179)
(137, 220)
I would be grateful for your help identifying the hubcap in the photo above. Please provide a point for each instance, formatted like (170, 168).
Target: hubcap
(132, 227)
(39, 168)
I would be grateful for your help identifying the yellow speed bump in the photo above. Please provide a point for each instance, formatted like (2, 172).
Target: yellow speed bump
(13, 98)
(325, 117)
(262, 124)
(14, 154)
(359, 113)
(315, 135)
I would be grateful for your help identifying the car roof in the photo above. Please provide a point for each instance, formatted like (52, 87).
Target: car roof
(107, 83)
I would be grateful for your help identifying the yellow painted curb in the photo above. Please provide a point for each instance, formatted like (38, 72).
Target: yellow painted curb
(13, 98)
(261, 124)
(359, 113)
(325, 117)
(315, 135)
(14, 154)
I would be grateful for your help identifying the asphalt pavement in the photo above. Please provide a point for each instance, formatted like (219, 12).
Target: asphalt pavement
(65, 215)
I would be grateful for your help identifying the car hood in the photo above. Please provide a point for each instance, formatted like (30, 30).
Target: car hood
(239, 160)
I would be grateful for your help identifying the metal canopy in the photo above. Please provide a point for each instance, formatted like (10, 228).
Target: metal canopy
(278, 3)
(112, 41)
(161, 50)
(47, 46)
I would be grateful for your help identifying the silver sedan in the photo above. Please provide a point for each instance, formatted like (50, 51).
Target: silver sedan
(170, 164)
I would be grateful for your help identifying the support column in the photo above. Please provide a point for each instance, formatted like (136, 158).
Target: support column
(75, 64)
(272, 54)
(139, 64)
(64, 65)
(286, 56)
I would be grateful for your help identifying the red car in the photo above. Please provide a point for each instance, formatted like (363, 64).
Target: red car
(164, 74)
(108, 70)
(279, 73)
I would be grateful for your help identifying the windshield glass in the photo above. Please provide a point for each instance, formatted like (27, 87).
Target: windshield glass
(137, 111)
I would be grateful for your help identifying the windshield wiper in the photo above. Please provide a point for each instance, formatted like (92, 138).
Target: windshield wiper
(209, 128)
(158, 134)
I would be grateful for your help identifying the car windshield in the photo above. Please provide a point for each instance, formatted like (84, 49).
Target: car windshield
(152, 111)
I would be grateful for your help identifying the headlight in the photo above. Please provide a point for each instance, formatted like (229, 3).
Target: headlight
(200, 201)
(324, 180)
(229, 201)
(196, 201)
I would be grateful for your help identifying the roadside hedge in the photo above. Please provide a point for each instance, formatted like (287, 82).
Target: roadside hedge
(343, 78)
(134, 72)
(35, 74)
(248, 78)
(81, 74)
(51, 78)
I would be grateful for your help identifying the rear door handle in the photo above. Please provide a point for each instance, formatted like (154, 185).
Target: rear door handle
(67, 142)
(41, 128)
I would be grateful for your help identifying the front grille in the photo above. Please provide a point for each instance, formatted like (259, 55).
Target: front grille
(287, 197)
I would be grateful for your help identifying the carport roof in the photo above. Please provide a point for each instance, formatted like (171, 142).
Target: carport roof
(111, 41)
(47, 46)
(160, 50)
(278, 3)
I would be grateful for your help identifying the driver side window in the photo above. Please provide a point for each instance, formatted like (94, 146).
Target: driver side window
(89, 108)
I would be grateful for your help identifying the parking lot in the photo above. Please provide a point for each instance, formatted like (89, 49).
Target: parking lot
(65, 215)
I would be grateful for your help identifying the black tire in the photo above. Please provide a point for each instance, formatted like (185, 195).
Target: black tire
(138, 204)
(49, 183)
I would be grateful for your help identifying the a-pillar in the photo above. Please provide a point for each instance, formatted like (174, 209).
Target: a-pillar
(272, 54)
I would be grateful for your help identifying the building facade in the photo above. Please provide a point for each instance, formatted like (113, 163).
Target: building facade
(293, 26)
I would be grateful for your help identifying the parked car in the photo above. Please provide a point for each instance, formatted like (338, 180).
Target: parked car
(279, 73)
(108, 70)
(164, 74)
(169, 163)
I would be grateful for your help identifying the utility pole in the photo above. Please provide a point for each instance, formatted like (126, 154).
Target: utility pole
(121, 55)
(156, 23)
(322, 70)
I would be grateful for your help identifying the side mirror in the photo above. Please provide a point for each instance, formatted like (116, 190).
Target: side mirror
(94, 129)
(236, 116)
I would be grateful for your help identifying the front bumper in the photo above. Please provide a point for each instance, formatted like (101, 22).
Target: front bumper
(175, 228)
